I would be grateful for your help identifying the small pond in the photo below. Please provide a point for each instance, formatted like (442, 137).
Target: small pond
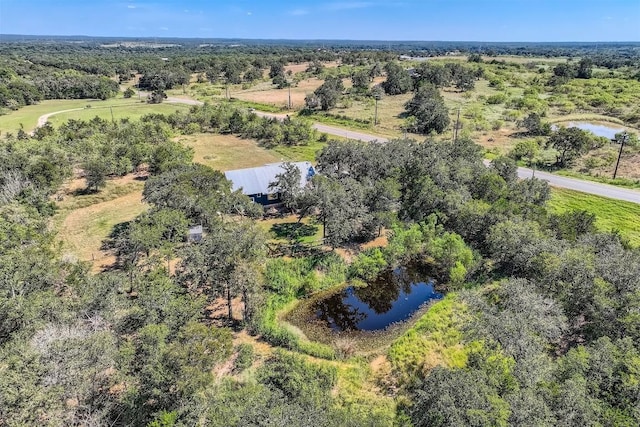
(394, 297)
(598, 129)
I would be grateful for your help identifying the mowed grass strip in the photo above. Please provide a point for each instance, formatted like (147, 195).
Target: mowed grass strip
(84, 229)
(610, 214)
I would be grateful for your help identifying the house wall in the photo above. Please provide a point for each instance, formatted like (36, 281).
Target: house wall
(263, 199)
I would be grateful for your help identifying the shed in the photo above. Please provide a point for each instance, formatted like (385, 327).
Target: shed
(254, 182)
(195, 234)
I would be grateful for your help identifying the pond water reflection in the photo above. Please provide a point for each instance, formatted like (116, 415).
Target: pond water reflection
(393, 298)
(597, 129)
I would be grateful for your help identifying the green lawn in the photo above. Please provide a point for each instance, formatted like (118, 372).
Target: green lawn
(227, 152)
(300, 153)
(131, 110)
(611, 214)
(28, 116)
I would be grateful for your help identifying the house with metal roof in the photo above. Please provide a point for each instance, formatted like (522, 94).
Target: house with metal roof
(254, 182)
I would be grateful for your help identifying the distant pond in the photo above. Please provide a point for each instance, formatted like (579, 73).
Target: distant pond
(394, 297)
(598, 129)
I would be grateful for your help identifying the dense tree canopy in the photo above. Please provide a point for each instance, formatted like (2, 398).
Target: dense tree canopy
(429, 111)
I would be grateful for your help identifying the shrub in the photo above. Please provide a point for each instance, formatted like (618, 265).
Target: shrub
(245, 357)
(498, 98)
(368, 264)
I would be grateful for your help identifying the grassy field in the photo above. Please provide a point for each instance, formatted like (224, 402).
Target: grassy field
(226, 152)
(281, 229)
(83, 230)
(132, 111)
(300, 153)
(28, 116)
(85, 220)
(611, 214)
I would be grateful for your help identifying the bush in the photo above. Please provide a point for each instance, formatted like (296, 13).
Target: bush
(245, 357)
(298, 379)
(368, 264)
(499, 98)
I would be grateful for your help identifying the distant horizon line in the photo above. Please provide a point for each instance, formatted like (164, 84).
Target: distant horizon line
(381, 41)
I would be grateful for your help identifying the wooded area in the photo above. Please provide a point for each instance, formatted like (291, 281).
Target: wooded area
(540, 324)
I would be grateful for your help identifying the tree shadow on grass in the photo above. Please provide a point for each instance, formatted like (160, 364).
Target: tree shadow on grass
(84, 191)
(293, 230)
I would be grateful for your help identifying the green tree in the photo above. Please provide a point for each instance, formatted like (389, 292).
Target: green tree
(95, 173)
(129, 92)
(277, 69)
(585, 68)
(287, 184)
(534, 125)
(195, 351)
(169, 155)
(570, 143)
(429, 109)
(211, 265)
(157, 96)
(327, 94)
(360, 80)
(398, 79)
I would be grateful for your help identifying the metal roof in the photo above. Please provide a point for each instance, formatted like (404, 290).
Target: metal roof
(196, 229)
(257, 180)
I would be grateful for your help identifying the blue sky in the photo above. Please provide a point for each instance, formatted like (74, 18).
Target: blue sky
(471, 20)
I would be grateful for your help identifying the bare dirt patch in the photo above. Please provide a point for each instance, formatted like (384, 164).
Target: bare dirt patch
(266, 93)
(219, 312)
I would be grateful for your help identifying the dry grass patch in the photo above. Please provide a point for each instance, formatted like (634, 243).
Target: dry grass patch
(84, 229)
(266, 93)
(227, 152)
(300, 68)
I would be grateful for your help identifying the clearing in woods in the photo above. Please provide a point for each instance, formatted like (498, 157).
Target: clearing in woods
(227, 152)
(85, 220)
(83, 230)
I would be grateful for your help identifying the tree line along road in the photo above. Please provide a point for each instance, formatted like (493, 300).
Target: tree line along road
(583, 186)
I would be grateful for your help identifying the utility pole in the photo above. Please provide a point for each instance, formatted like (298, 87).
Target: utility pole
(455, 131)
(625, 136)
(289, 87)
(112, 120)
(375, 117)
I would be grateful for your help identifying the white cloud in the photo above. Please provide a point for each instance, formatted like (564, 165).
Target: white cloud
(164, 28)
(131, 6)
(249, 13)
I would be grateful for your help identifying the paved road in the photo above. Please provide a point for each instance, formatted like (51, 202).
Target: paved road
(589, 187)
